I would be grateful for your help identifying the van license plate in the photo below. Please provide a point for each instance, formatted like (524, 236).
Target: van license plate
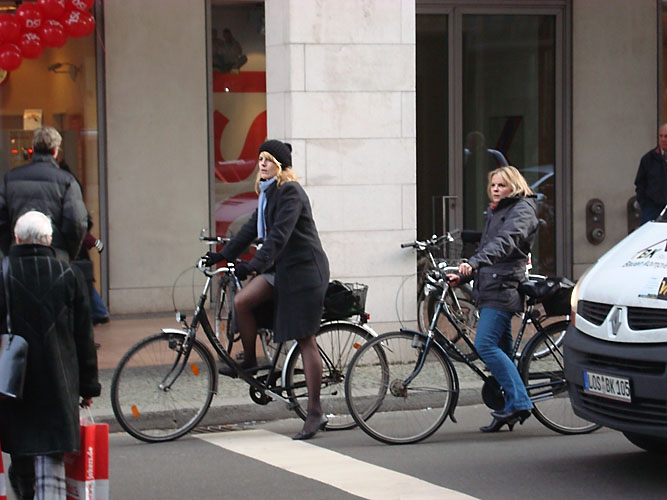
(606, 386)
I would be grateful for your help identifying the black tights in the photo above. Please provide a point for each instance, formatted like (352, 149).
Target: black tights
(253, 294)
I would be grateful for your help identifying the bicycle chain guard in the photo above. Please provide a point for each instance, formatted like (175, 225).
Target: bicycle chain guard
(492, 394)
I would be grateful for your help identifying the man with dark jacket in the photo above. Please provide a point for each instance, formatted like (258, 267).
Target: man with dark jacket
(41, 185)
(49, 308)
(651, 180)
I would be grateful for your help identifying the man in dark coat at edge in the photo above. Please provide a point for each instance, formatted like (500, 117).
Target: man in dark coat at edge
(49, 308)
(651, 179)
(41, 185)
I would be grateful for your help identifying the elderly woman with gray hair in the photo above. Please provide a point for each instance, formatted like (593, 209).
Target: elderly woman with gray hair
(49, 308)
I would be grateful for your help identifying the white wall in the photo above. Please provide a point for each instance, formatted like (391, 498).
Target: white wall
(157, 143)
(341, 89)
(615, 111)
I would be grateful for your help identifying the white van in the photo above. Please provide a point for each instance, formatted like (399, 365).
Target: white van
(616, 347)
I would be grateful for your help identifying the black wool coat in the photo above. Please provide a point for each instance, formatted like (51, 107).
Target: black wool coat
(292, 248)
(49, 308)
(41, 185)
(500, 260)
(651, 180)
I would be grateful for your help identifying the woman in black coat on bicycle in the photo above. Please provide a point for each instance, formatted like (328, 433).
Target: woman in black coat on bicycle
(291, 269)
(498, 266)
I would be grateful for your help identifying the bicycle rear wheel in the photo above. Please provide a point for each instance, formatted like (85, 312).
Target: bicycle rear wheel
(337, 343)
(150, 412)
(542, 372)
(382, 405)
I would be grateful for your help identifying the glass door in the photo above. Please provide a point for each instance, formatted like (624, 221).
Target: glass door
(492, 96)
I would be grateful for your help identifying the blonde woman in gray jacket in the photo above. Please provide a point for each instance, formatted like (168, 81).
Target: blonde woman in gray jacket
(498, 266)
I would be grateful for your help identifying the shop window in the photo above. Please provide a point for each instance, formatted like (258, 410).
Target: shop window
(57, 87)
(239, 109)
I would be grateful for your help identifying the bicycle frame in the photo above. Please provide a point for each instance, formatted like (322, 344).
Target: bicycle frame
(434, 335)
(200, 318)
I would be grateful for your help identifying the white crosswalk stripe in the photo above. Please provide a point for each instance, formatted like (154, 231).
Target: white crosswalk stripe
(335, 469)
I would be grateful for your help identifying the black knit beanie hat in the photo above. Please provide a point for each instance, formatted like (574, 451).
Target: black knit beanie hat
(281, 151)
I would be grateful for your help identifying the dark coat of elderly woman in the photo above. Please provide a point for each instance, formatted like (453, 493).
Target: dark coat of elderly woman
(49, 308)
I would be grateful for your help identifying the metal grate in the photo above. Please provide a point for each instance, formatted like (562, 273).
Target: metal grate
(627, 365)
(646, 318)
(595, 312)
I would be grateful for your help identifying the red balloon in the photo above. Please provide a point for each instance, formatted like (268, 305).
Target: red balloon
(10, 57)
(10, 30)
(78, 24)
(52, 33)
(52, 9)
(82, 5)
(31, 45)
(29, 16)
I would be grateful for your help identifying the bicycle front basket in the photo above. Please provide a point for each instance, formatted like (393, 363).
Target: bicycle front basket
(343, 300)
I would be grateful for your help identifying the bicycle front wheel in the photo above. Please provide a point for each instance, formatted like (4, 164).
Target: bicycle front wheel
(383, 405)
(337, 343)
(542, 372)
(156, 395)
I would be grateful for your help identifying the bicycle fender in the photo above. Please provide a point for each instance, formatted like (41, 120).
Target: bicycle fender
(452, 370)
(288, 357)
(174, 331)
(350, 323)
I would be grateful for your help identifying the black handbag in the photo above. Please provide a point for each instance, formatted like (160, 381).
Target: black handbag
(13, 351)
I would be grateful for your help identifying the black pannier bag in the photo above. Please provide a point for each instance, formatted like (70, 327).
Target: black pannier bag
(557, 301)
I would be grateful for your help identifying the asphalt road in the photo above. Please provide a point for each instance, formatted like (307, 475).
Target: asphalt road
(260, 461)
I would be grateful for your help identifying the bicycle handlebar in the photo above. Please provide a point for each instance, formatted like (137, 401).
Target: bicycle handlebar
(433, 241)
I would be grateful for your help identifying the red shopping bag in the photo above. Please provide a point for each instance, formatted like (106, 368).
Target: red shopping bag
(87, 472)
(3, 485)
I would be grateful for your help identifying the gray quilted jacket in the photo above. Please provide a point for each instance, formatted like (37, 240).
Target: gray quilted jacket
(500, 262)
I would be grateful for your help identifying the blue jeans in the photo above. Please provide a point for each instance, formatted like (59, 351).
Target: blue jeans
(493, 341)
(98, 309)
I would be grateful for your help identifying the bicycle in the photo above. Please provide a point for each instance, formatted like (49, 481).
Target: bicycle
(164, 385)
(457, 300)
(401, 386)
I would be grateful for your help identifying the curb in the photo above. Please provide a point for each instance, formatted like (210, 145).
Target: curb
(248, 412)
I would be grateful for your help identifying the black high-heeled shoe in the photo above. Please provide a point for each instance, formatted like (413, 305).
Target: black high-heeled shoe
(497, 424)
(517, 415)
(303, 434)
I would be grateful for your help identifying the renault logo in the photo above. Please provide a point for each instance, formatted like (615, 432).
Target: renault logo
(616, 321)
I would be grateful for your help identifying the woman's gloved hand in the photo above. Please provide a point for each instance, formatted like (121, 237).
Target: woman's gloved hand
(212, 258)
(243, 269)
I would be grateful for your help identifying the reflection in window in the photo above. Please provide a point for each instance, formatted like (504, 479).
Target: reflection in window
(239, 110)
(509, 115)
(57, 89)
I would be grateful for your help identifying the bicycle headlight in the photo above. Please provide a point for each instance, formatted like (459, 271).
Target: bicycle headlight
(574, 298)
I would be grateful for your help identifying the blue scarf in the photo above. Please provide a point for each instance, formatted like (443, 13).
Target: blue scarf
(261, 205)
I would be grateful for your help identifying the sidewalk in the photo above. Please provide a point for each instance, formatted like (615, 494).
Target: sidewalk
(232, 404)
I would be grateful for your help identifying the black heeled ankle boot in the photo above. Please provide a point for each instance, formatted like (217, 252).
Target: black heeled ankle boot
(497, 424)
(518, 415)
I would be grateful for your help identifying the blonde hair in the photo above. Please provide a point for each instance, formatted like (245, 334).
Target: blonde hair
(284, 174)
(512, 178)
